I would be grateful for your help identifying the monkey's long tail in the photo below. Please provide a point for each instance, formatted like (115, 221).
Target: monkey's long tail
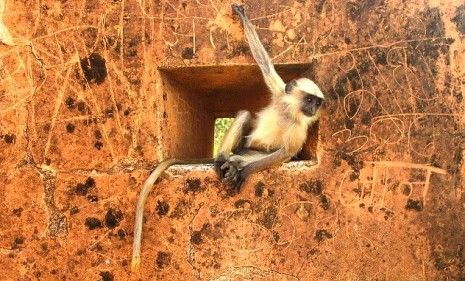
(146, 189)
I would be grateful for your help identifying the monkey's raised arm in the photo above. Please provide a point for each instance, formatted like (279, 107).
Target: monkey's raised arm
(271, 77)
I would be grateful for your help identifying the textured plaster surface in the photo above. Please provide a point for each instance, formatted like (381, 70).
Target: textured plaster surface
(85, 116)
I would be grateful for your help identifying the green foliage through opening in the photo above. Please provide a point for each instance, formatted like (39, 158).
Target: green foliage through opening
(221, 126)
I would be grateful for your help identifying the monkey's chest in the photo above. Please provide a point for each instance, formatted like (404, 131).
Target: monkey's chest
(278, 134)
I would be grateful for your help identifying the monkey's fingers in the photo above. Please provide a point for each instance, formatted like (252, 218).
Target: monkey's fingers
(220, 161)
(227, 181)
(225, 166)
(235, 179)
(225, 170)
(238, 182)
(228, 174)
(234, 186)
(219, 172)
(229, 178)
(232, 171)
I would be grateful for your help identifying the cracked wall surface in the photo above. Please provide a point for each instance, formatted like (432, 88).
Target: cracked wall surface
(84, 117)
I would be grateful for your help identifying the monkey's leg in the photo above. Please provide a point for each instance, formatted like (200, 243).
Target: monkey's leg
(233, 140)
(239, 167)
(271, 77)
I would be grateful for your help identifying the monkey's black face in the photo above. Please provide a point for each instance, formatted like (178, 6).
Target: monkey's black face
(311, 104)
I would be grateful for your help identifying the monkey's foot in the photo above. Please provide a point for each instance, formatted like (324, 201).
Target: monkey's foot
(238, 9)
(234, 176)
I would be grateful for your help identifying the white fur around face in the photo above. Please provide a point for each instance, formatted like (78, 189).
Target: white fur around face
(310, 87)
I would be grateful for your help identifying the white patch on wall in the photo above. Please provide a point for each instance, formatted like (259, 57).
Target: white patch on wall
(5, 35)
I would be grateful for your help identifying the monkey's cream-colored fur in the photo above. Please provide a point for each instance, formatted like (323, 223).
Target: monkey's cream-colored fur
(281, 132)
(283, 124)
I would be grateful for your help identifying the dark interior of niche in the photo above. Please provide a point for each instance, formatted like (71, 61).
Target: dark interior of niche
(196, 96)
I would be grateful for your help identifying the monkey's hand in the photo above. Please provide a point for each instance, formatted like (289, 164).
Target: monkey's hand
(234, 173)
(238, 10)
(220, 160)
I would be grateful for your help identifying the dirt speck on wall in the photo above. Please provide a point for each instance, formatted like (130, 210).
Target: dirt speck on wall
(90, 102)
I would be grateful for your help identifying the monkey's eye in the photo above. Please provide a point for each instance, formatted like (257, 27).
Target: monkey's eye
(309, 99)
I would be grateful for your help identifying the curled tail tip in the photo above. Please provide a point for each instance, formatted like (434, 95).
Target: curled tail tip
(238, 9)
(135, 265)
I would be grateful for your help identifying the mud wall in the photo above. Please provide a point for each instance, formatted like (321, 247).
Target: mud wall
(85, 113)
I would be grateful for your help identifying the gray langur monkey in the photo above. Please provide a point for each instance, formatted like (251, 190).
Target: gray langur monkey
(250, 145)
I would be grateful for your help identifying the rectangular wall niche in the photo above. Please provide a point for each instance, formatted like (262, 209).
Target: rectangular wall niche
(196, 96)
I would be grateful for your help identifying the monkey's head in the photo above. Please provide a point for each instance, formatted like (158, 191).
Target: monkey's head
(305, 96)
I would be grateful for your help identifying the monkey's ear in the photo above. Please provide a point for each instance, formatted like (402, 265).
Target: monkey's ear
(289, 86)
